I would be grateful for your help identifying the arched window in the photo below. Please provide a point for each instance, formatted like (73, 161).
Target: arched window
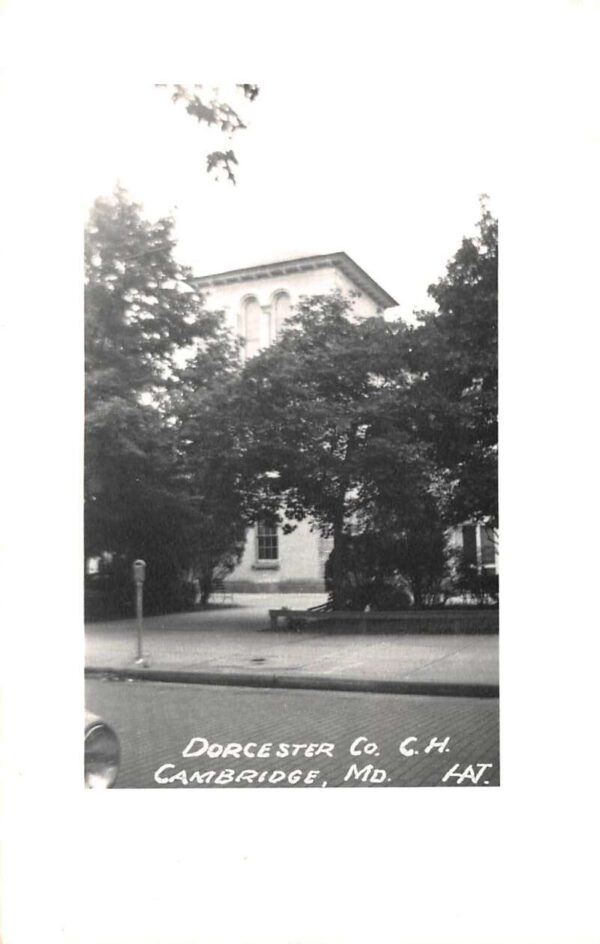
(281, 311)
(255, 327)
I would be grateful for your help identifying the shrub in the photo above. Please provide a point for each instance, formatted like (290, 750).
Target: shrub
(370, 578)
(482, 585)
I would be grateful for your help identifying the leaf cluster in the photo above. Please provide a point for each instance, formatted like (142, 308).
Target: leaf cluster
(209, 108)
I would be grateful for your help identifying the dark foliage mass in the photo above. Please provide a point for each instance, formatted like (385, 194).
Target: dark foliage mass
(456, 356)
(383, 435)
(148, 494)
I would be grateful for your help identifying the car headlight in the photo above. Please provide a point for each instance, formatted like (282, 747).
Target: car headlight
(102, 754)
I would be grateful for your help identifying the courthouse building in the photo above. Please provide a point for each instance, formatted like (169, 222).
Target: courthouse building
(257, 301)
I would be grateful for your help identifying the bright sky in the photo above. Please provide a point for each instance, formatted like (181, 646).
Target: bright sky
(370, 138)
(386, 171)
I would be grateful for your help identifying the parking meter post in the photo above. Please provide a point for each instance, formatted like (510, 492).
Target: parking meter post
(139, 575)
(139, 616)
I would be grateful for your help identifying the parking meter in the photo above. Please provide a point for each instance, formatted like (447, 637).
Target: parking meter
(139, 575)
(139, 571)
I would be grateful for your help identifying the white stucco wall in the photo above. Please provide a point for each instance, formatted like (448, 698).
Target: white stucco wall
(301, 563)
(230, 298)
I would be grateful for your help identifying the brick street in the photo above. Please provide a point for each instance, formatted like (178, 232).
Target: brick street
(155, 721)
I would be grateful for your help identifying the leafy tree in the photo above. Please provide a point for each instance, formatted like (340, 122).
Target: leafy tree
(478, 584)
(371, 578)
(140, 303)
(322, 420)
(409, 531)
(141, 311)
(455, 354)
(207, 469)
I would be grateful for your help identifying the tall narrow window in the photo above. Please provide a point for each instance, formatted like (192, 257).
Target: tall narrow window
(252, 324)
(267, 542)
(488, 547)
(469, 544)
(255, 323)
(281, 312)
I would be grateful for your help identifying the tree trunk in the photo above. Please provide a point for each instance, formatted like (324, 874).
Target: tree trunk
(205, 587)
(338, 559)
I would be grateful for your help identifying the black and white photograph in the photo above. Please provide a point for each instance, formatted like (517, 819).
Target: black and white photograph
(298, 359)
(291, 499)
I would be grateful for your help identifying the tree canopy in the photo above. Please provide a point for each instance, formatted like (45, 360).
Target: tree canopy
(455, 354)
(141, 313)
(380, 434)
(323, 418)
(141, 307)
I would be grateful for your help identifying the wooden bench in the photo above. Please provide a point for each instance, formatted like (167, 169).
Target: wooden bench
(294, 618)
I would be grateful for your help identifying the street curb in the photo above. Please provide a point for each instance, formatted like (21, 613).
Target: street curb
(307, 682)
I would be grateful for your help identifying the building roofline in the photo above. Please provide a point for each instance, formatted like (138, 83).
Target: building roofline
(339, 260)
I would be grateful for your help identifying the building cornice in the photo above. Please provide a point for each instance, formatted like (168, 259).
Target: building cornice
(338, 260)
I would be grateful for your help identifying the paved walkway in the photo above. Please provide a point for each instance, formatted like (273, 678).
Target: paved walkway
(233, 645)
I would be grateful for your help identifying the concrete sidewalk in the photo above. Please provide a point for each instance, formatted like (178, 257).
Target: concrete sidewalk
(233, 645)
